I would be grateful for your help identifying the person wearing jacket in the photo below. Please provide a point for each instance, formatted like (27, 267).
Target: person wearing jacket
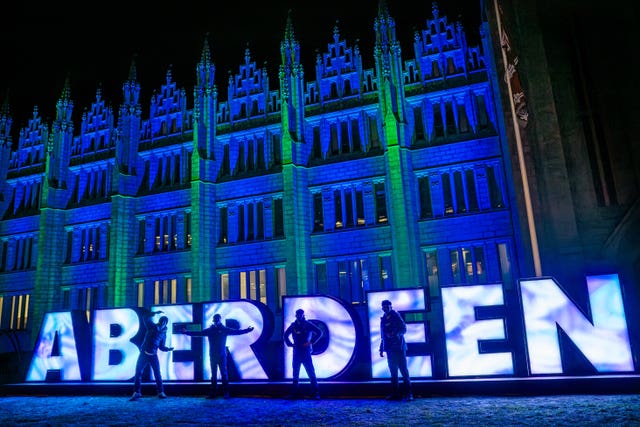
(305, 336)
(392, 330)
(217, 334)
(154, 339)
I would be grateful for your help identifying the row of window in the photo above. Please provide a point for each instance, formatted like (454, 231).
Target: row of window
(348, 279)
(166, 232)
(449, 117)
(460, 190)
(14, 311)
(355, 205)
(249, 220)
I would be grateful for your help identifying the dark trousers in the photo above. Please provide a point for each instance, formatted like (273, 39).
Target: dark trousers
(397, 361)
(219, 363)
(143, 360)
(303, 357)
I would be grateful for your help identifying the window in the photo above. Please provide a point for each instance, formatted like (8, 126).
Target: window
(505, 265)
(188, 289)
(472, 195)
(424, 186)
(240, 223)
(19, 311)
(380, 203)
(278, 218)
(337, 208)
(447, 194)
(142, 238)
(321, 278)
(461, 205)
(468, 264)
(373, 133)
(253, 285)
(187, 229)
(418, 124)
(317, 145)
(353, 278)
(431, 259)
(455, 266)
(224, 286)
(438, 124)
(281, 280)
(165, 291)
(140, 291)
(318, 215)
(495, 192)
(223, 225)
(386, 276)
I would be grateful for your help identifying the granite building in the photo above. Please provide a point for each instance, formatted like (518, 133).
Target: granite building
(335, 181)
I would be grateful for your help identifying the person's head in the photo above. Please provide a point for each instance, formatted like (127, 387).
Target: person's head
(216, 318)
(300, 314)
(163, 321)
(386, 306)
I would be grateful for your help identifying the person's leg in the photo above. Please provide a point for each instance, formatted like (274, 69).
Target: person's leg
(311, 372)
(137, 380)
(224, 377)
(404, 370)
(155, 367)
(213, 363)
(392, 362)
(296, 371)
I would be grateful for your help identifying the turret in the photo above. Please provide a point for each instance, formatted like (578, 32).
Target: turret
(388, 61)
(59, 146)
(292, 89)
(129, 124)
(5, 144)
(205, 97)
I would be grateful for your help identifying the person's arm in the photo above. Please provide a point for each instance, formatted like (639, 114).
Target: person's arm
(399, 325)
(202, 333)
(232, 331)
(286, 335)
(163, 347)
(316, 331)
(148, 315)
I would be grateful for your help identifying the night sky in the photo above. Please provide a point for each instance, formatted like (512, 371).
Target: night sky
(93, 43)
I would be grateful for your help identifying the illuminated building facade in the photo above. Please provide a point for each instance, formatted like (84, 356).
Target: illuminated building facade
(352, 181)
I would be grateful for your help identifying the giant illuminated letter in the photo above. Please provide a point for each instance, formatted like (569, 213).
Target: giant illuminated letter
(605, 342)
(114, 355)
(56, 349)
(342, 334)
(170, 369)
(463, 331)
(401, 300)
(247, 314)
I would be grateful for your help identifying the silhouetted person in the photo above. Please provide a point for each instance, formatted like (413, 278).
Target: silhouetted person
(154, 339)
(305, 335)
(392, 330)
(217, 334)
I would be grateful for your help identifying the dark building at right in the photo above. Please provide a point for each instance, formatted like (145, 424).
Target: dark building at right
(567, 73)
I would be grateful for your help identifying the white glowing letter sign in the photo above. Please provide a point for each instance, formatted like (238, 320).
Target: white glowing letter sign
(604, 341)
(342, 337)
(401, 300)
(246, 314)
(463, 331)
(55, 349)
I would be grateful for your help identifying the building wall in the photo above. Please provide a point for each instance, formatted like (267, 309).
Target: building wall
(287, 191)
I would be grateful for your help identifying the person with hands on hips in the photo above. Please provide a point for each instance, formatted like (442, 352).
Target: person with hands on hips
(392, 330)
(305, 334)
(154, 340)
